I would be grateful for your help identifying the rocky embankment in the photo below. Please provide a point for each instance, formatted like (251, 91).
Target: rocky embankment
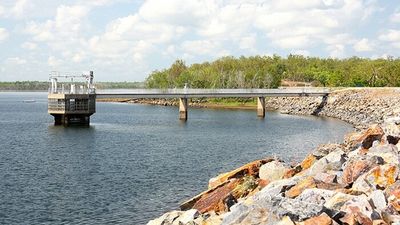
(356, 182)
(360, 107)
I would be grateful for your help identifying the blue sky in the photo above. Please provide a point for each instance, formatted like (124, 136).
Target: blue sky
(124, 40)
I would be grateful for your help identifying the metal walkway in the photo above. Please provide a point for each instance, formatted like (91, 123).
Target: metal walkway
(212, 93)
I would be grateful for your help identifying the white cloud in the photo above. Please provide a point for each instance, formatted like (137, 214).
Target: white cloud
(199, 47)
(341, 38)
(301, 52)
(78, 57)
(29, 45)
(391, 36)
(52, 61)
(158, 31)
(336, 51)
(2, 11)
(177, 12)
(15, 61)
(248, 42)
(395, 18)
(307, 23)
(3, 34)
(363, 45)
(21, 8)
(67, 26)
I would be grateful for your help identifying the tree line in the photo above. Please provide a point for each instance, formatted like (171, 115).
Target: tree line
(269, 71)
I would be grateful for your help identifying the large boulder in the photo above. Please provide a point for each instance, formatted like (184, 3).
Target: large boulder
(365, 138)
(337, 201)
(216, 199)
(296, 190)
(272, 171)
(169, 218)
(332, 161)
(378, 200)
(296, 209)
(250, 169)
(322, 219)
(358, 211)
(357, 166)
(393, 195)
(325, 149)
(388, 152)
(316, 195)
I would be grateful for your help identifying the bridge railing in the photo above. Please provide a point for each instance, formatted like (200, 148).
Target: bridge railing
(215, 91)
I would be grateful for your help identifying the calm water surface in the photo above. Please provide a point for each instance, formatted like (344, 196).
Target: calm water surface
(134, 162)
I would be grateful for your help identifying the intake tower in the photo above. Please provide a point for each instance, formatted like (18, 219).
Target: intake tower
(71, 98)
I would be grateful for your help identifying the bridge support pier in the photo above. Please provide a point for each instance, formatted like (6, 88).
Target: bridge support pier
(183, 109)
(261, 107)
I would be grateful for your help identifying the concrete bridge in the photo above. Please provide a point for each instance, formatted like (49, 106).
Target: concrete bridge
(187, 93)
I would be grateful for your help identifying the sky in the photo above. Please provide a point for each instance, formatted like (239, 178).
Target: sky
(125, 40)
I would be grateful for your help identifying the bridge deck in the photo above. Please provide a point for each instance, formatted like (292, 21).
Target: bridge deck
(213, 93)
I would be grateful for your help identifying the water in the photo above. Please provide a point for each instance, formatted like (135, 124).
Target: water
(135, 162)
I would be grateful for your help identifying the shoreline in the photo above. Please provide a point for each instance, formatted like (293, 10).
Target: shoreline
(347, 105)
(354, 182)
(165, 102)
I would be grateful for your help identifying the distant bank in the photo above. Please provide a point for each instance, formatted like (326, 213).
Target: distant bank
(44, 85)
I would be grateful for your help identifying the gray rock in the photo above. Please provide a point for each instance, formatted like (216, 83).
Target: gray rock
(337, 201)
(359, 203)
(237, 214)
(325, 149)
(362, 185)
(378, 200)
(395, 120)
(316, 196)
(272, 171)
(388, 152)
(275, 188)
(166, 219)
(297, 209)
(332, 161)
(327, 177)
(188, 216)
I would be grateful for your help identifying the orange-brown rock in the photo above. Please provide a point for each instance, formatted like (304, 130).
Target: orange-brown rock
(250, 169)
(379, 222)
(356, 218)
(323, 219)
(263, 183)
(383, 176)
(292, 172)
(308, 162)
(296, 190)
(356, 168)
(215, 199)
(393, 196)
(365, 138)
(328, 186)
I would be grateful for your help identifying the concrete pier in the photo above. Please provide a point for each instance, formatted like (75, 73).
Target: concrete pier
(183, 109)
(261, 107)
